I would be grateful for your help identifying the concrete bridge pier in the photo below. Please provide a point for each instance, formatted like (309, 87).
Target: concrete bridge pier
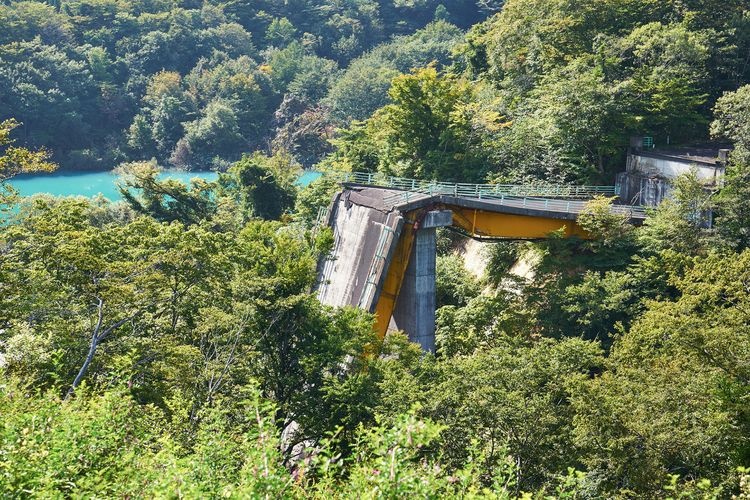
(414, 312)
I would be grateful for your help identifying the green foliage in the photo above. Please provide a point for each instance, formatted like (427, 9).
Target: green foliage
(500, 258)
(361, 90)
(280, 32)
(109, 445)
(571, 279)
(573, 81)
(165, 200)
(732, 112)
(363, 87)
(182, 314)
(557, 91)
(15, 160)
(600, 304)
(674, 362)
(315, 196)
(170, 345)
(203, 338)
(91, 444)
(77, 72)
(485, 322)
(292, 69)
(680, 224)
(43, 81)
(455, 285)
(490, 399)
(259, 186)
(431, 129)
(577, 80)
(256, 186)
(611, 234)
(217, 130)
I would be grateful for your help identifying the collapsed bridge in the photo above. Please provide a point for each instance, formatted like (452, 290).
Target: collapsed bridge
(384, 253)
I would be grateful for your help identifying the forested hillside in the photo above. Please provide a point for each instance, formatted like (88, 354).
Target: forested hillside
(171, 345)
(554, 89)
(195, 84)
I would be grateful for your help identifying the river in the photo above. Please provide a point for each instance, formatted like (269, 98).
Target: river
(92, 183)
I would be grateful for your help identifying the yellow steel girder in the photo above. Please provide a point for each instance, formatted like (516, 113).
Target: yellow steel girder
(477, 223)
(394, 278)
(485, 224)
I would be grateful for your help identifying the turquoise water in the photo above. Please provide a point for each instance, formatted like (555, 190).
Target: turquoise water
(92, 183)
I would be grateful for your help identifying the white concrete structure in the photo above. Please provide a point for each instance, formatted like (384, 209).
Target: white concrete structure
(364, 237)
(666, 166)
(650, 173)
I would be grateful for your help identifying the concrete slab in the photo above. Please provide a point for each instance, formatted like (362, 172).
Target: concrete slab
(364, 237)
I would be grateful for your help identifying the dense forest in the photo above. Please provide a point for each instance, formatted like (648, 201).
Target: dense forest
(170, 345)
(195, 84)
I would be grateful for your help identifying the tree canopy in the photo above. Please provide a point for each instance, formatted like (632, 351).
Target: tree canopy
(171, 344)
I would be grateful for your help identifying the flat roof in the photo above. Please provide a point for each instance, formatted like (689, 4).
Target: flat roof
(706, 155)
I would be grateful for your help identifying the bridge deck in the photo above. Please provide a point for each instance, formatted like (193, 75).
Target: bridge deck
(387, 199)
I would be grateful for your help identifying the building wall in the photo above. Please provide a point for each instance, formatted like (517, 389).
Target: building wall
(653, 165)
(649, 175)
(637, 189)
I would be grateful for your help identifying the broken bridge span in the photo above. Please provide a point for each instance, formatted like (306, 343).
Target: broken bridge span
(384, 253)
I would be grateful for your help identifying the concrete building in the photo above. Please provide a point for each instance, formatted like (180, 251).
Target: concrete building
(650, 172)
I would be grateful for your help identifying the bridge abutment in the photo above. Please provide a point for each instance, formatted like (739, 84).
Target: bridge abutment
(414, 312)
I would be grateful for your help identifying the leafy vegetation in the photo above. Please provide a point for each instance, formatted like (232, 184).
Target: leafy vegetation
(552, 90)
(197, 84)
(169, 345)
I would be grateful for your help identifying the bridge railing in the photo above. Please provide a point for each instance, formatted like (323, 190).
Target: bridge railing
(413, 187)
(554, 197)
(566, 206)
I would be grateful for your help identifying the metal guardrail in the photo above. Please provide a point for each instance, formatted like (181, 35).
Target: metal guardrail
(318, 223)
(566, 206)
(553, 197)
(413, 187)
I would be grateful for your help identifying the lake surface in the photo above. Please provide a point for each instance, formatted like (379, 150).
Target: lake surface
(92, 183)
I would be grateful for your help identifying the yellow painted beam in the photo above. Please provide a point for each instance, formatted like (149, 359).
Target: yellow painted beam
(394, 278)
(484, 224)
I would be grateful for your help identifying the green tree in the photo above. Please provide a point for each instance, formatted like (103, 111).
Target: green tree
(363, 86)
(432, 129)
(486, 322)
(731, 114)
(165, 200)
(680, 224)
(216, 131)
(259, 186)
(509, 400)
(50, 93)
(315, 196)
(454, 283)
(17, 160)
(280, 32)
(235, 83)
(683, 357)
(24, 21)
